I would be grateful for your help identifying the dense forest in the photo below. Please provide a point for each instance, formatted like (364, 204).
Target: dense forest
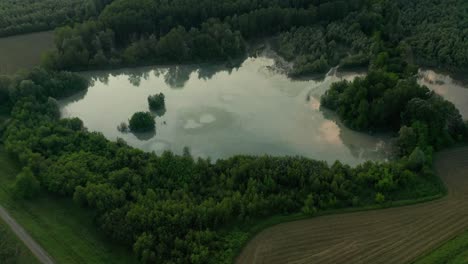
(177, 209)
(437, 32)
(25, 16)
(208, 30)
(314, 35)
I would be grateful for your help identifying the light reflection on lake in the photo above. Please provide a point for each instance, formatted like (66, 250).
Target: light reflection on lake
(450, 89)
(219, 112)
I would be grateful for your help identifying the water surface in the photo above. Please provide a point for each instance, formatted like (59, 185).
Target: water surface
(219, 112)
(453, 90)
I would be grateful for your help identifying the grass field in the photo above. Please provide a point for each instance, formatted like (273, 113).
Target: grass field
(24, 256)
(395, 235)
(64, 230)
(453, 252)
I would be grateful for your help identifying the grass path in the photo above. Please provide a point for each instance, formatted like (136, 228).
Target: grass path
(23, 256)
(25, 238)
(66, 231)
(395, 235)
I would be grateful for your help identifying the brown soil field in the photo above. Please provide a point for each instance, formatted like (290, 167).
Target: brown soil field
(395, 235)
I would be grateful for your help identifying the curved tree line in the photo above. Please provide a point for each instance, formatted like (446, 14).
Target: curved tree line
(25, 16)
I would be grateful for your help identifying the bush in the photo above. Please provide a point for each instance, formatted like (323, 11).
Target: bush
(379, 198)
(142, 122)
(309, 206)
(123, 127)
(156, 102)
(26, 185)
(416, 160)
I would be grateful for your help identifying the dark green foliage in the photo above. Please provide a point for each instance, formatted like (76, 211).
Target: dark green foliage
(381, 101)
(157, 102)
(5, 102)
(440, 41)
(26, 185)
(442, 119)
(8, 250)
(24, 16)
(142, 122)
(374, 102)
(176, 209)
(316, 49)
(150, 31)
(389, 99)
(315, 35)
(417, 159)
(379, 198)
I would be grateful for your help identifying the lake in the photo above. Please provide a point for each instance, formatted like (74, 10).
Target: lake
(219, 112)
(23, 51)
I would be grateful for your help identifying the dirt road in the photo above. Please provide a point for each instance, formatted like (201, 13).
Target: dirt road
(396, 235)
(35, 248)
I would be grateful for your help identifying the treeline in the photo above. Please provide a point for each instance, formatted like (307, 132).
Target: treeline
(175, 209)
(86, 46)
(317, 49)
(437, 32)
(315, 35)
(149, 31)
(25, 16)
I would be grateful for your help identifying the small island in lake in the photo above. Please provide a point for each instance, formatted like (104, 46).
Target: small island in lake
(156, 102)
(142, 122)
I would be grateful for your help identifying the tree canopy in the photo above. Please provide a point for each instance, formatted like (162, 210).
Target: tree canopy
(314, 35)
(25, 16)
(142, 122)
(177, 209)
(157, 102)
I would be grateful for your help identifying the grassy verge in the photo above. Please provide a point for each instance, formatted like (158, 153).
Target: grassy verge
(64, 230)
(22, 253)
(453, 252)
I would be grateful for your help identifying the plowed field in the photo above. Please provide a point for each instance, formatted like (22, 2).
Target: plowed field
(395, 235)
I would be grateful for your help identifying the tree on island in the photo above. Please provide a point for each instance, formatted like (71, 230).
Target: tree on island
(156, 102)
(142, 122)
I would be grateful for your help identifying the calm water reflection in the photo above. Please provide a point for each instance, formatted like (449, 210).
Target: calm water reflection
(220, 112)
(450, 89)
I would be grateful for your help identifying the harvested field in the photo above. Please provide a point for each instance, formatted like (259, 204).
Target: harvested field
(396, 235)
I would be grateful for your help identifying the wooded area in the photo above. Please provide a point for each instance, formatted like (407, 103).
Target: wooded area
(175, 209)
(315, 35)
(25, 16)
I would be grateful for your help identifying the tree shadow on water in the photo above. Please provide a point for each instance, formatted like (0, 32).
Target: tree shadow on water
(175, 76)
(145, 136)
(160, 112)
(74, 98)
(361, 144)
